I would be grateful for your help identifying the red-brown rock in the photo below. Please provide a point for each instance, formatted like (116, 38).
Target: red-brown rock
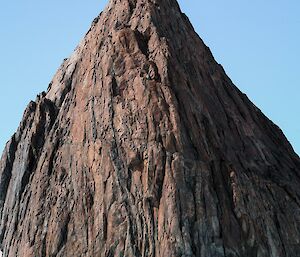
(142, 146)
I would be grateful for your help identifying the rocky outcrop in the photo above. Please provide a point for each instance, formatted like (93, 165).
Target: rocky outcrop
(142, 146)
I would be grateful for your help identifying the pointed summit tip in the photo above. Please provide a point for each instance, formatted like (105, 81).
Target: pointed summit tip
(138, 7)
(142, 146)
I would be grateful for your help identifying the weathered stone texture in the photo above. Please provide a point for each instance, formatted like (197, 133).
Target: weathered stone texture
(142, 146)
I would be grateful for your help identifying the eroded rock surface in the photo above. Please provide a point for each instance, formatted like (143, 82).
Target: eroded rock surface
(142, 146)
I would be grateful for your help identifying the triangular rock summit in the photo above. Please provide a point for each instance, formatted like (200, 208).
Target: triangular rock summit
(142, 146)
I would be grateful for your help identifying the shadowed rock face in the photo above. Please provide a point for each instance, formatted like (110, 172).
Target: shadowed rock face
(142, 146)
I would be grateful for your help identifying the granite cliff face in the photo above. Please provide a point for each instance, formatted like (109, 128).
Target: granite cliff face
(142, 146)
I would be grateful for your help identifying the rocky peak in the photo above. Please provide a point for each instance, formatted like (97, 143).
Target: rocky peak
(142, 146)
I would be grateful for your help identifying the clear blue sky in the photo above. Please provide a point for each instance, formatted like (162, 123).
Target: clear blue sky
(257, 42)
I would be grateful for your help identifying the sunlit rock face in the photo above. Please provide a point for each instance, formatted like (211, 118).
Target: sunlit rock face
(142, 146)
